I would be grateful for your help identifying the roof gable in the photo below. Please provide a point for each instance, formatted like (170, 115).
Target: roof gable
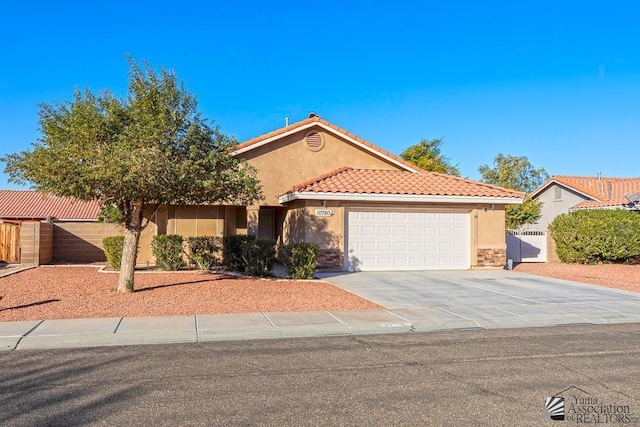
(363, 184)
(29, 204)
(316, 121)
(599, 191)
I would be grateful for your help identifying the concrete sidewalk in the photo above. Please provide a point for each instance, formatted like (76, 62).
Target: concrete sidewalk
(199, 328)
(115, 331)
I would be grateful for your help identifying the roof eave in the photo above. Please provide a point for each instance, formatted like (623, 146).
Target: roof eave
(551, 181)
(415, 198)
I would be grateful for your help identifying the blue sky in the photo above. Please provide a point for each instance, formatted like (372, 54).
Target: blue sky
(558, 82)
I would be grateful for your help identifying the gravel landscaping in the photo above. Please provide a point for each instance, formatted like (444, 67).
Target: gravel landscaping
(58, 292)
(64, 292)
(626, 277)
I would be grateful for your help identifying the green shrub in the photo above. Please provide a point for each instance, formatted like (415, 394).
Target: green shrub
(112, 247)
(167, 248)
(300, 259)
(203, 251)
(258, 256)
(597, 236)
(232, 251)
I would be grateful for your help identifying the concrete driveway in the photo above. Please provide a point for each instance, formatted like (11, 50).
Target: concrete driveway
(489, 299)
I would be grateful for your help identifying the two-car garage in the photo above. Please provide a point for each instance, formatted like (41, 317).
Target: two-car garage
(407, 240)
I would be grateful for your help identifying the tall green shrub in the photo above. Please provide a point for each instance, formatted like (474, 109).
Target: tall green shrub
(300, 259)
(232, 251)
(258, 256)
(112, 247)
(167, 248)
(203, 251)
(594, 236)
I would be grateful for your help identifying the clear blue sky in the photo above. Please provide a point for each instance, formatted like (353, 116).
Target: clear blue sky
(558, 82)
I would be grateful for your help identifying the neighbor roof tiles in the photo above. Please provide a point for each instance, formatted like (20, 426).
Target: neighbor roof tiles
(605, 192)
(28, 204)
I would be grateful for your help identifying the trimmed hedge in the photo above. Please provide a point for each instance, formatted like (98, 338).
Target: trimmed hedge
(597, 236)
(259, 256)
(232, 251)
(203, 251)
(112, 247)
(300, 259)
(249, 255)
(167, 248)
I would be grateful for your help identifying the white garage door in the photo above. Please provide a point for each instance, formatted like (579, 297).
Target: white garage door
(407, 241)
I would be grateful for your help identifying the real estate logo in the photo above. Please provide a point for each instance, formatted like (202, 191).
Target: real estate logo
(575, 405)
(554, 408)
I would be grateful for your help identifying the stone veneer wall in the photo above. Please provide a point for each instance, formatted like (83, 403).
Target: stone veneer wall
(330, 259)
(492, 257)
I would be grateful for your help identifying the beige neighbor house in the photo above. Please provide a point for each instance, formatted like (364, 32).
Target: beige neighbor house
(562, 194)
(367, 208)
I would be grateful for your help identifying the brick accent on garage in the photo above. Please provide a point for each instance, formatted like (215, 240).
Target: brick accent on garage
(492, 257)
(330, 259)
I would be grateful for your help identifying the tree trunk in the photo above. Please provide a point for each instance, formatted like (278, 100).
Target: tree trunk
(130, 249)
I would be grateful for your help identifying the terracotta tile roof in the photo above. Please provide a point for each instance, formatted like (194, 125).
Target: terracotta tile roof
(337, 129)
(604, 192)
(397, 182)
(28, 204)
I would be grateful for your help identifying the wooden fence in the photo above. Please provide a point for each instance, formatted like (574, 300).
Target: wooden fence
(9, 242)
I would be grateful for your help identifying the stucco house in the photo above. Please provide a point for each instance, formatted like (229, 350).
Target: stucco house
(561, 194)
(367, 208)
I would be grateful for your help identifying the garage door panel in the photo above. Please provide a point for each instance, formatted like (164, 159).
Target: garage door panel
(384, 231)
(407, 240)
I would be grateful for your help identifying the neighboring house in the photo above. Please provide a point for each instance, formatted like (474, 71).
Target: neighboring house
(29, 205)
(39, 228)
(367, 208)
(562, 194)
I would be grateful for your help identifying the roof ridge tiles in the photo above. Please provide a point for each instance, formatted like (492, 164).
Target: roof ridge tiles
(322, 177)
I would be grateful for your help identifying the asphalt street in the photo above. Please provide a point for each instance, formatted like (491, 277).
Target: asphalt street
(449, 378)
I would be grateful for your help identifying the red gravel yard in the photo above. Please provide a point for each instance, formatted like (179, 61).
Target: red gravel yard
(619, 276)
(48, 292)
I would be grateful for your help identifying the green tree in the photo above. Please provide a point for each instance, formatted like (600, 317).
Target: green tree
(137, 153)
(516, 173)
(426, 155)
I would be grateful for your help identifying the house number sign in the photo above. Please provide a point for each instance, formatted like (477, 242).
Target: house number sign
(324, 212)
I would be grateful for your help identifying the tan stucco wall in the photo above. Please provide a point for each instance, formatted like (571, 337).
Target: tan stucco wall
(286, 162)
(301, 225)
(490, 226)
